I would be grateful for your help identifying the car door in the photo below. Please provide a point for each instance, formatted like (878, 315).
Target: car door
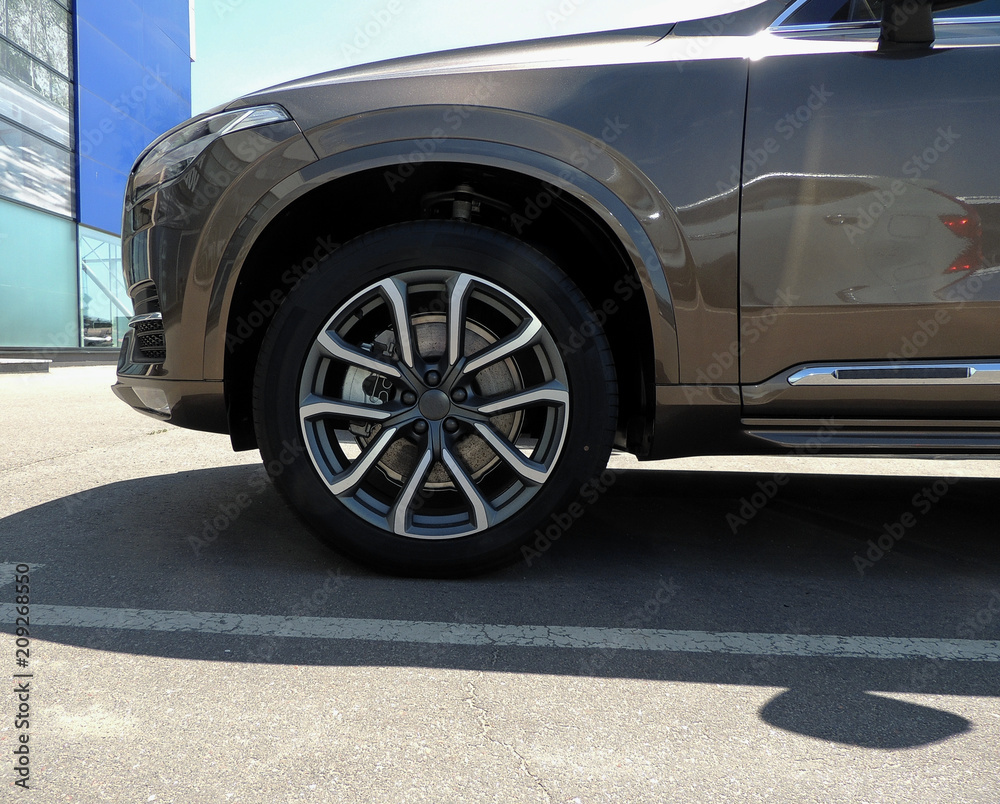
(869, 253)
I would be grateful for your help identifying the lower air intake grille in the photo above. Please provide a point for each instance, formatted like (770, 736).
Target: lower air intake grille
(150, 344)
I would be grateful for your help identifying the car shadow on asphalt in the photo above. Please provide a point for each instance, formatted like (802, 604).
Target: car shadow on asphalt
(685, 551)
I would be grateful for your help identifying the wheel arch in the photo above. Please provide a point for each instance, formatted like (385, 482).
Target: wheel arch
(616, 251)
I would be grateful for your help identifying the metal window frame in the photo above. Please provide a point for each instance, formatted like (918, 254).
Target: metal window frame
(778, 25)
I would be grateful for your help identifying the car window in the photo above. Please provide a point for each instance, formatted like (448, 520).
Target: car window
(987, 8)
(819, 12)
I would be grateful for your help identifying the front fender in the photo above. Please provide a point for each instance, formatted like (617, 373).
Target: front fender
(639, 217)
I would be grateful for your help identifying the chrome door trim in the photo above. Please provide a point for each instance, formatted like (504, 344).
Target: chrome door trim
(949, 373)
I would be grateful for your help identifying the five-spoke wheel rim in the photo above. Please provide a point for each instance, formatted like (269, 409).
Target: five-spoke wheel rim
(434, 404)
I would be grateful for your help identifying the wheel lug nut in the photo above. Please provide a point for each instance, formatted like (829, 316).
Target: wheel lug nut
(420, 427)
(459, 395)
(450, 425)
(409, 397)
(432, 378)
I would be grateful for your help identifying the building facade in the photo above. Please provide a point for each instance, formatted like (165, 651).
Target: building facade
(85, 85)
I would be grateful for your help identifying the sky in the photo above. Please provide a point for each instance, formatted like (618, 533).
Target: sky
(244, 45)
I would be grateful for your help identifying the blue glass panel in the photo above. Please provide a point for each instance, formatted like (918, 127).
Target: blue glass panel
(107, 71)
(166, 110)
(109, 136)
(38, 279)
(135, 83)
(102, 192)
(119, 20)
(172, 18)
(162, 56)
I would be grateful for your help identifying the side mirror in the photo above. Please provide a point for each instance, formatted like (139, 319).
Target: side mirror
(906, 24)
(909, 24)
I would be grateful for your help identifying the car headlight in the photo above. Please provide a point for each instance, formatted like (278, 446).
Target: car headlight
(169, 157)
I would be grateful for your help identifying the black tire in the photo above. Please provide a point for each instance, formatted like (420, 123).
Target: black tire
(417, 474)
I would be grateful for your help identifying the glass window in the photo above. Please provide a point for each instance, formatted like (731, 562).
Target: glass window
(39, 287)
(35, 76)
(820, 12)
(40, 28)
(105, 306)
(15, 63)
(35, 171)
(25, 109)
(36, 104)
(988, 8)
(50, 36)
(19, 23)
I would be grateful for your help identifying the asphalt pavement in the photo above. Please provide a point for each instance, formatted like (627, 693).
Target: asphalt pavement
(709, 630)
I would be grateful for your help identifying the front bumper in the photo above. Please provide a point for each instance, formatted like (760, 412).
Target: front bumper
(194, 404)
(173, 246)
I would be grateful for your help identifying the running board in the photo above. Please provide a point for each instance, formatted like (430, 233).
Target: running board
(979, 373)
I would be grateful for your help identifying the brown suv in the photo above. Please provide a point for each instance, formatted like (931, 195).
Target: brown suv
(435, 292)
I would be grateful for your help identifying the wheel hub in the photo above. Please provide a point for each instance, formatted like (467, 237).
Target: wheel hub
(430, 332)
(435, 405)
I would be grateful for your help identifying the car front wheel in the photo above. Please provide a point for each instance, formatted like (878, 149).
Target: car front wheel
(418, 375)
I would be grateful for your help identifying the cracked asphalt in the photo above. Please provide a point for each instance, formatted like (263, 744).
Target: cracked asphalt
(187, 703)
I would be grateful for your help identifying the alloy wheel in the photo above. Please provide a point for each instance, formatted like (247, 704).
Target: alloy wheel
(434, 404)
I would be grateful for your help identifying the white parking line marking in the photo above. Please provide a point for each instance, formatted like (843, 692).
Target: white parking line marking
(535, 636)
